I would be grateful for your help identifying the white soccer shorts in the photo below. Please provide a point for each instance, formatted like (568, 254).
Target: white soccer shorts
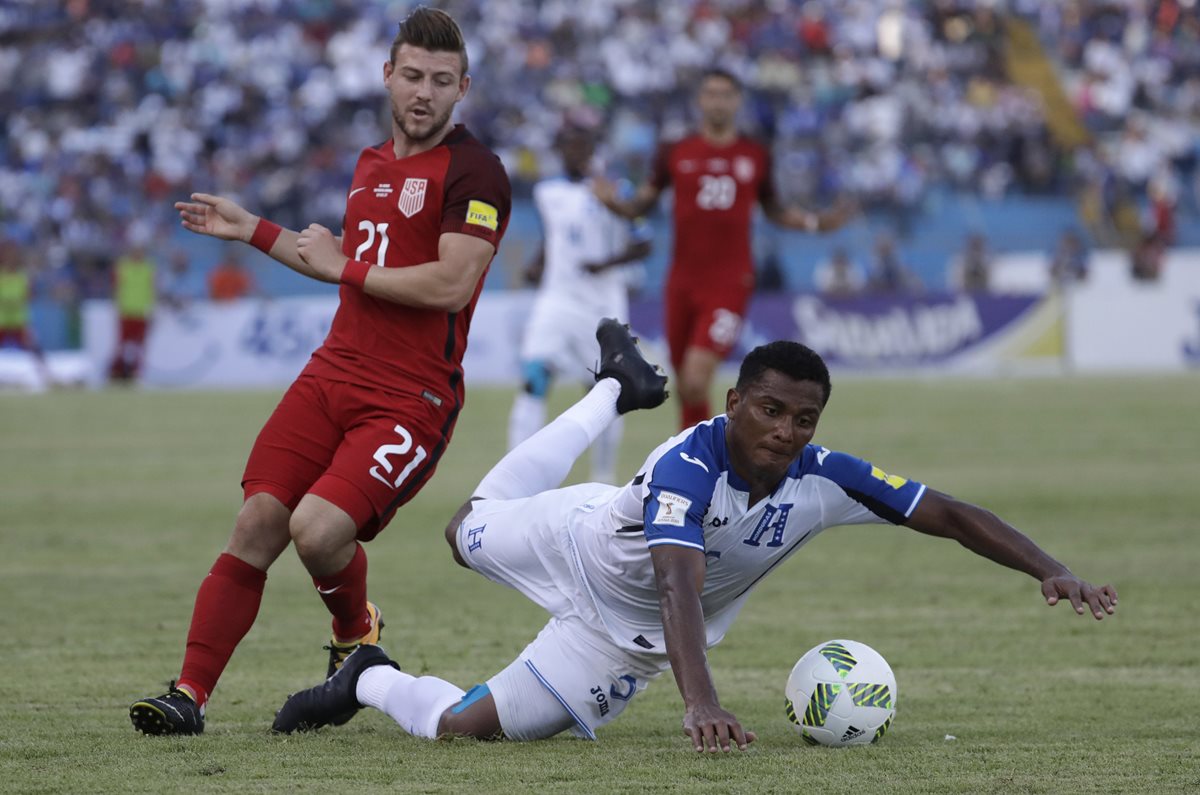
(562, 335)
(572, 676)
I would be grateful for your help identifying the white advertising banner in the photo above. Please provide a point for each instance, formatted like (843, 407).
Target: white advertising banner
(1116, 324)
(256, 343)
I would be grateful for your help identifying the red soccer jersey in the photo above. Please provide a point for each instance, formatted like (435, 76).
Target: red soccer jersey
(396, 211)
(715, 191)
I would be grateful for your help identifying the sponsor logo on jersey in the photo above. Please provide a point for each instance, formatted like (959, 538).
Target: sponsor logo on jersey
(691, 460)
(687, 166)
(672, 509)
(718, 165)
(822, 454)
(482, 214)
(412, 196)
(743, 168)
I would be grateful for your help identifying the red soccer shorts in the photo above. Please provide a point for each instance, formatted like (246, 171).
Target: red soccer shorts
(368, 452)
(133, 329)
(15, 338)
(709, 317)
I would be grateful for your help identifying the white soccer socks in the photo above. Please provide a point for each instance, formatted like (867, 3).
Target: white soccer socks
(527, 417)
(416, 703)
(543, 460)
(604, 453)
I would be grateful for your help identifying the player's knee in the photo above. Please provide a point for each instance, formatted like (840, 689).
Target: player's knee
(312, 535)
(536, 377)
(260, 533)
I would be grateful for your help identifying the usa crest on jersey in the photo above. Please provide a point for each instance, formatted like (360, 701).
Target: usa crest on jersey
(412, 196)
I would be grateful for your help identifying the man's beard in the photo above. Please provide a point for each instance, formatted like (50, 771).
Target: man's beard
(436, 127)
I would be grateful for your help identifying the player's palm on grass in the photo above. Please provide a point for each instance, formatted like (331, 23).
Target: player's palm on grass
(217, 216)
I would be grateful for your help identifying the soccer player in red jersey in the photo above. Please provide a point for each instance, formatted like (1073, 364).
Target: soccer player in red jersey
(364, 425)
(718, 174)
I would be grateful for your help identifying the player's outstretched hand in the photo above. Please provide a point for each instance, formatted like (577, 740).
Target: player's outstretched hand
(217, 216)
(1099, 600)
(319, 248)
(713, 729)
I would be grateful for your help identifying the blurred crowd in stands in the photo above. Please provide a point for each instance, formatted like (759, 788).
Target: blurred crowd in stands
(112, 109)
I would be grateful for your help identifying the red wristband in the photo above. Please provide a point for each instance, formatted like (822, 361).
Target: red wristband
(265, 235)
(355, 273)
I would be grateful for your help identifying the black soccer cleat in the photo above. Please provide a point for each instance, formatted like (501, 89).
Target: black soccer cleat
(338, 652)
(174, 712)
(643, 386)
(321, 705)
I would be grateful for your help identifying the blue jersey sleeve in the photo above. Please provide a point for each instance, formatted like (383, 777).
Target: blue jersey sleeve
(890, 497)
(680, 491)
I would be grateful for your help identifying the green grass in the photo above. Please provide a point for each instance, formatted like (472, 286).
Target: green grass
(113, 506)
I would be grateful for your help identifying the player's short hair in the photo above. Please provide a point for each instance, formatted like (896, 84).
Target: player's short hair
(431, 29)
(796, 361)
(724, 74)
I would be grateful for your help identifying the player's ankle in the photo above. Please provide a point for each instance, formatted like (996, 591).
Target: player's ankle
(194, 692)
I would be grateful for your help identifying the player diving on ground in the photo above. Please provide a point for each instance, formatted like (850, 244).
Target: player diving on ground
(648, 576)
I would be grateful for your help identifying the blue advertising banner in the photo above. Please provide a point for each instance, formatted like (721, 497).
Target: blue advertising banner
(896, 332)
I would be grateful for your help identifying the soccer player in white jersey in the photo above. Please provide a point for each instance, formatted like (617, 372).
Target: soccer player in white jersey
(582, 268)
(649, 575)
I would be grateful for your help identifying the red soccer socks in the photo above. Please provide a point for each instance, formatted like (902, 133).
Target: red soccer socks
(345, 596)
(693, 413)
(226, 606)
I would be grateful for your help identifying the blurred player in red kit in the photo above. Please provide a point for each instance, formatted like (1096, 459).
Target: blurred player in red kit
(718, 174)
(362, 428)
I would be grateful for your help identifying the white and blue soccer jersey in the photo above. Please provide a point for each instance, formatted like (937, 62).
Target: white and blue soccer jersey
(687, 494)
(577, 230)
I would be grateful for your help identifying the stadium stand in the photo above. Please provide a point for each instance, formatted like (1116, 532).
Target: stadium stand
(1016, 120)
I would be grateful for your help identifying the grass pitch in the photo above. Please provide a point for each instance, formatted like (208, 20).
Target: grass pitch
(113, 506)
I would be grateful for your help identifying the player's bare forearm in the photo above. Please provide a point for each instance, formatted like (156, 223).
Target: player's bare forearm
(679, 573)
(632, 253)
(983, 533)
(219, 217)
(537, 266)
(444, 284)
(816, 222)
(642, 202)
(285, 251)
(987, 535)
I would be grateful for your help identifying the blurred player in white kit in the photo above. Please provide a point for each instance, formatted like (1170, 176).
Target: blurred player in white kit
(583, 274)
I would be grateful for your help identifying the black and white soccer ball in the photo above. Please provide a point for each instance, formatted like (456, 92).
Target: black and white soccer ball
(840, 693)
